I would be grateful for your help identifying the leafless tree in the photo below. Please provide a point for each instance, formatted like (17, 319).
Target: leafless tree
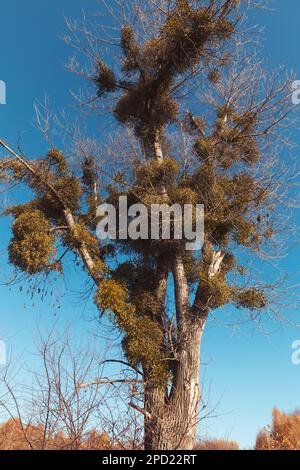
(49, 406)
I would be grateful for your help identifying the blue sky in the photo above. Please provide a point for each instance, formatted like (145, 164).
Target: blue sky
(246, 372)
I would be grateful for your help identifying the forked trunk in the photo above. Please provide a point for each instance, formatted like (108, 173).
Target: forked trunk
(172, 416)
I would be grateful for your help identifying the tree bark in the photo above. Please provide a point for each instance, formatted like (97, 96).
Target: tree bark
(172, 418)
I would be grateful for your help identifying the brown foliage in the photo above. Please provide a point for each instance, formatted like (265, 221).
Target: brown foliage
(283, 434)
(216, 444)
(14, 435)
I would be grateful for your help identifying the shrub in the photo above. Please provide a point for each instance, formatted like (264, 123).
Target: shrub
(216, 444)
(283, 434)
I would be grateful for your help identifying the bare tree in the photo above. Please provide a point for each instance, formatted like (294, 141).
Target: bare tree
(52, 409)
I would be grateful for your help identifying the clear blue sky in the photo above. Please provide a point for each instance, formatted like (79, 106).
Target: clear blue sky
(247, 372)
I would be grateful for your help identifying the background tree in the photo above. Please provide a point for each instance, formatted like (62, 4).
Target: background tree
(52, 409)
(190, 66)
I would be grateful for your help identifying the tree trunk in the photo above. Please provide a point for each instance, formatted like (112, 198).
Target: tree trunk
(172, 417)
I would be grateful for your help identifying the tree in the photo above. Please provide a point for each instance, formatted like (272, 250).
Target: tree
(51, 409)
(174, 56)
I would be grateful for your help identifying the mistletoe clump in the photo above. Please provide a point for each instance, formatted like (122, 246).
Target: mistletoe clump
(143, 337)
(216, 291)
(32, 246)
(155, 172)
(252, 298)
(57, 158)
(69, 190)
(104, 79)
(146, 303)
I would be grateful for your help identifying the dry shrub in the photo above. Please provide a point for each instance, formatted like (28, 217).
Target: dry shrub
(14, 435)
(216, 444)
(283, 434)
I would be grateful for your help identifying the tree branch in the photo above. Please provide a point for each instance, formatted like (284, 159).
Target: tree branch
(86, 257)
(140, 410)
(181, 288)
(109, 382)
